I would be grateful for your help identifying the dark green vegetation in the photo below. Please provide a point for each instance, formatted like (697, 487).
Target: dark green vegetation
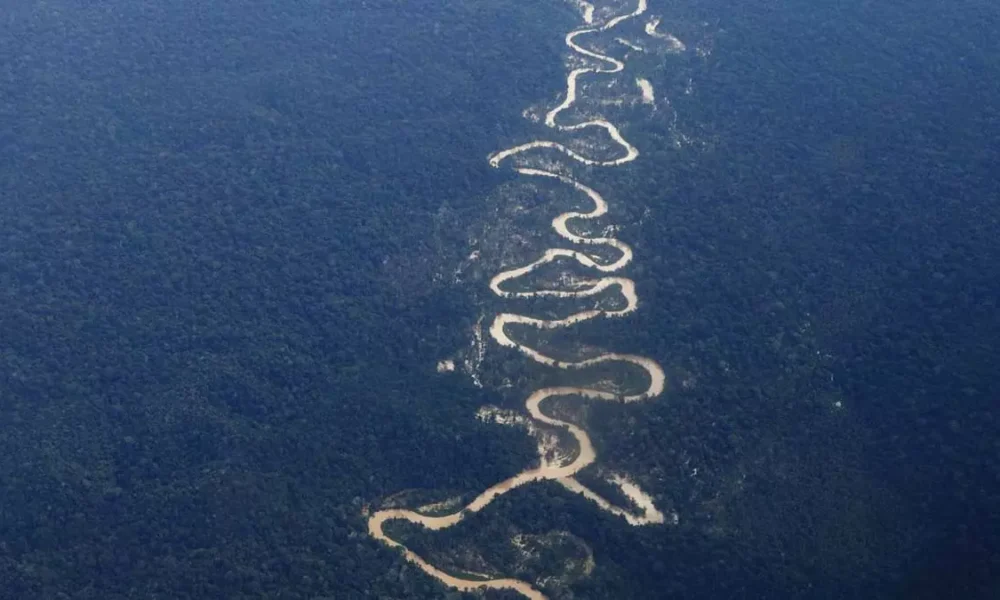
(218, 321)
(219, 318)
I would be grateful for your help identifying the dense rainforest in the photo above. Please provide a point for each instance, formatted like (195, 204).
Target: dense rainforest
(231, 239)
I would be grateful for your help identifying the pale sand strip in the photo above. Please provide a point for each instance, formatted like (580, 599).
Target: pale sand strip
(588, 10)
(647, 90)
(675, 44)
(629, 45)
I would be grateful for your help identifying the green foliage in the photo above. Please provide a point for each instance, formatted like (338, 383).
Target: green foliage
(223, 225)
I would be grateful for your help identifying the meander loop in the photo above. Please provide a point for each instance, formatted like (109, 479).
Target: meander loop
(563, 473)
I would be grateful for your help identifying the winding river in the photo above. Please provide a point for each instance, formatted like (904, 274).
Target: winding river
(560, 470)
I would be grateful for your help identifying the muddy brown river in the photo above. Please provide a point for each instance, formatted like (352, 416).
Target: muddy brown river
(561, 470)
